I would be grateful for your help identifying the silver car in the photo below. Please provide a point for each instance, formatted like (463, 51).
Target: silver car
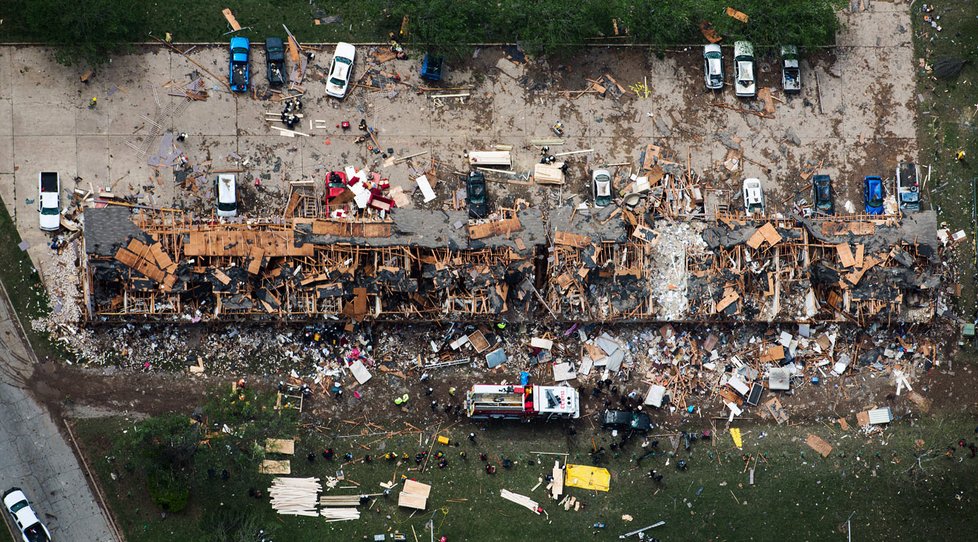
(745, 82)
(713, 66)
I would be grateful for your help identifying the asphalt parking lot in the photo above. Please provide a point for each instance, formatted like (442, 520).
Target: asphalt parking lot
(855, 116)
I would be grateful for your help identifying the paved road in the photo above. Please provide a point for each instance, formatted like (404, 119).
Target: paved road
(33, 454)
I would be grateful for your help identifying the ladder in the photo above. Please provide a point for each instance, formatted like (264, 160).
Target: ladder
(451, 363)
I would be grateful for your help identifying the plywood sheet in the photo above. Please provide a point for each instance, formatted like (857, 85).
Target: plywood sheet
(819, 445)
(770, 234)
(407, 500)
(417, 488)
(280, 446)
(274, 243)
(775, 353)
(272, 466)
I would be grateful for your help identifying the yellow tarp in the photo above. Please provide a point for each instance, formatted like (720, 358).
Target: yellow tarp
(735, 434)
(587, 477)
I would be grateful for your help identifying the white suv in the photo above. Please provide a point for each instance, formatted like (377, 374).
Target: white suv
(753, 197)
(49, 200)
(227, 195)
(31, 529)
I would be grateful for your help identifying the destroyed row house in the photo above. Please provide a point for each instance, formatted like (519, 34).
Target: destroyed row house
(575, 265)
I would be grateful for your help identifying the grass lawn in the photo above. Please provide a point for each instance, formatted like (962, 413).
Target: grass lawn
(24, 287)
(875, 477)
(947, 123)
(203, 20)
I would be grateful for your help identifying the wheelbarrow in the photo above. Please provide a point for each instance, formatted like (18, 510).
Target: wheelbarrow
(431, 67)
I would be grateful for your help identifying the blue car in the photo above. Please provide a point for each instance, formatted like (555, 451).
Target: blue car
(240, 66)
(873, 195)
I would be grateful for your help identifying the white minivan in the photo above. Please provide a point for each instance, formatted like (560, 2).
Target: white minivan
(227, 195)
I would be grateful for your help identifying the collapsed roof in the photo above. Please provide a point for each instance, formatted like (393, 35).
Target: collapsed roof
(576, 265)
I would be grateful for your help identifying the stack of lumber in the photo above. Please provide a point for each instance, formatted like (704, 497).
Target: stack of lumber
(295, 496)
(521, 500)
(339, 514)
(340, 507)
(339, 500)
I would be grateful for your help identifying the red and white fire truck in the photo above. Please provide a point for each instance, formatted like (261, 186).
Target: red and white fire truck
(509, 402)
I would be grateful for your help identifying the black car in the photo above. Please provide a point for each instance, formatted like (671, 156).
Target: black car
(475, 195)
(275, 61)
(822, 188)
(626, 420)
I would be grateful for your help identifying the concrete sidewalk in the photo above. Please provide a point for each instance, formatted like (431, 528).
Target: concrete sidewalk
(33, 454)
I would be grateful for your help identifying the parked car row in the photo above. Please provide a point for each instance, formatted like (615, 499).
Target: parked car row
(225, 186)
(239, 67)
(824, 198)
(745, 69)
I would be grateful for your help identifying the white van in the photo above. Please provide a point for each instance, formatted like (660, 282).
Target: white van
(227, 195)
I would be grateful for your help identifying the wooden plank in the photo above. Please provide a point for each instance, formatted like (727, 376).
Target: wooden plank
(770, 234)
(756, 240)
(845, 255)
(739, 15)
(257, 256)
(860, 254)
(775, 353)
(709, 32)
(231, 20)
(221, 276)
(557, 488)
(857, 275)
(340, 228)
(293, 49)
(499, 227)
(729, 297)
